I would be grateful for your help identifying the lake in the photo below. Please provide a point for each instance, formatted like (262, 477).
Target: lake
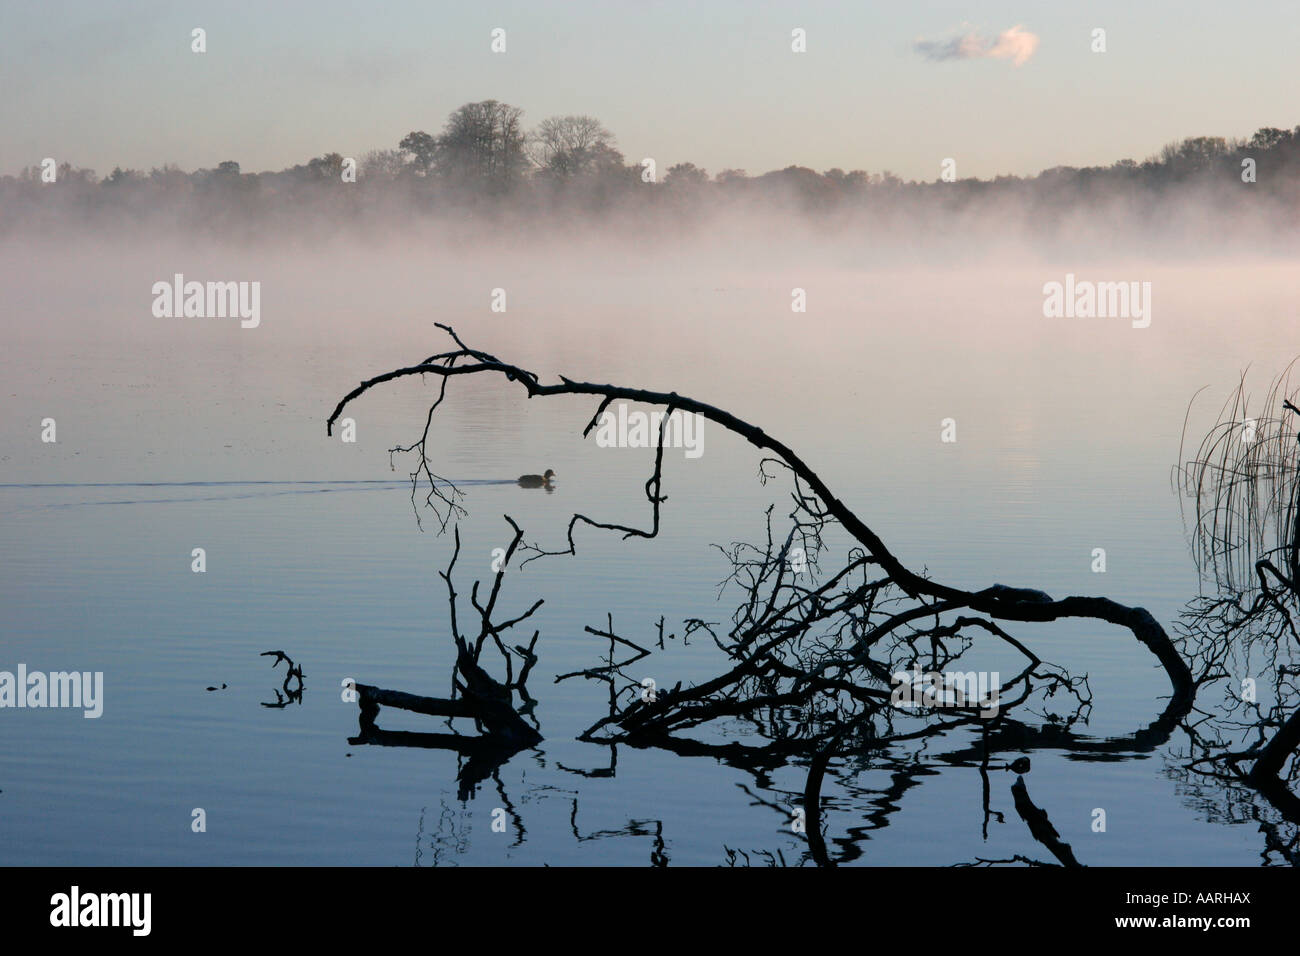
(182, 433)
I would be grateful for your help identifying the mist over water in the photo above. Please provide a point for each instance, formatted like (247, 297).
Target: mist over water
(176, 433)
(998, 377)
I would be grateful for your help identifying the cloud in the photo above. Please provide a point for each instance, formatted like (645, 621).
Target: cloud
(1016, 45)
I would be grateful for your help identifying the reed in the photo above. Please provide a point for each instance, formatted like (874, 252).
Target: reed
(1244, 496)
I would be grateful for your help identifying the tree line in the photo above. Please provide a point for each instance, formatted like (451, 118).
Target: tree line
(485, 158)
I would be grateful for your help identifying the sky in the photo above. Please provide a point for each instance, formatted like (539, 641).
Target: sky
(999, 87)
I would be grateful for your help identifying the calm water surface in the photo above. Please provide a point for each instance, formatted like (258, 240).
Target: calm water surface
(177, 434)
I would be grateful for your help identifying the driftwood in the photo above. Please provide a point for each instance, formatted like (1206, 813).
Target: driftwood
(1000, 602)
(492, 711)
(478, 696)
(811, 657)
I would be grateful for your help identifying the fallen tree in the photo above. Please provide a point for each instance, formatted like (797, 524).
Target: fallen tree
(814, 659)
(997, 601)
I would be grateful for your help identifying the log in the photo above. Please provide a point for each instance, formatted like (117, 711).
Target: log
(497, 717)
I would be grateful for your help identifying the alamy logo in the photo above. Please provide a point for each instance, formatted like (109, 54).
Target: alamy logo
(208, 300)
(103, 909)
(79, 689)
(630, 429)
(1101, 300)
(950, 689)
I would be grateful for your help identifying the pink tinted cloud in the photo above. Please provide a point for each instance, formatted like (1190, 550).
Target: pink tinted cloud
(1016, 44)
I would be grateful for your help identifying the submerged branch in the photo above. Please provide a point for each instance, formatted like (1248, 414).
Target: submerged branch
(997, 601)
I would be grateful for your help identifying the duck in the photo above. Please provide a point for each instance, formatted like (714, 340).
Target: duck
(537, 481)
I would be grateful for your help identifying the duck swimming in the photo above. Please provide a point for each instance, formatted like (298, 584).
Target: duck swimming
(537, 481)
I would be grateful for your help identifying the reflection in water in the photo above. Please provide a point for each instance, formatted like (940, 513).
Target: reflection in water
(450, 837)
(477, 695)
(349, 587)
(290, 691)
(1240, 762)
(817, 649)
(654, 829)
